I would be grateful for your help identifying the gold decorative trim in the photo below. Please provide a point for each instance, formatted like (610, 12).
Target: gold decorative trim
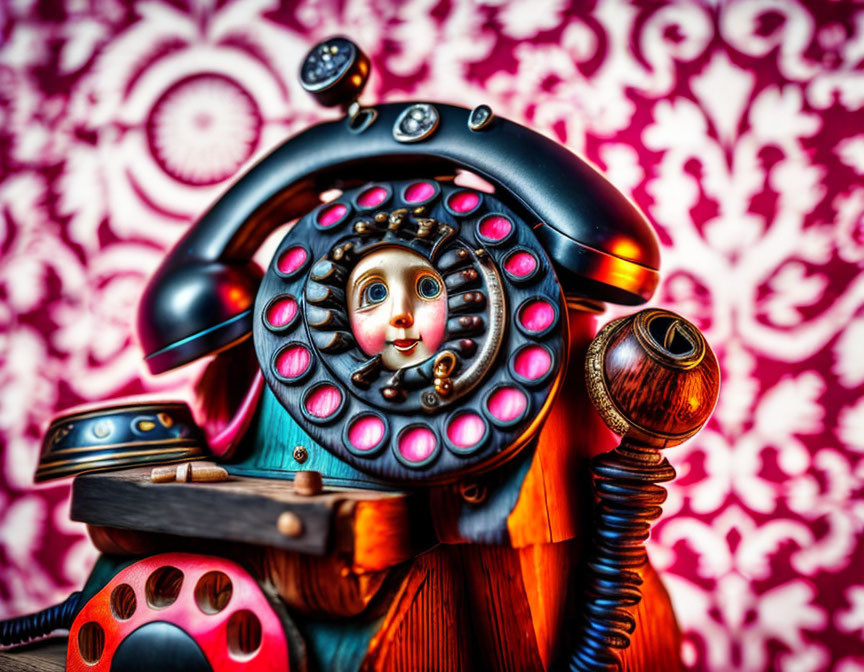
(660, 352)
(485, 358)
(139, 408)
(118, 462)
(595, 379)
(132, 453)
(110, 446)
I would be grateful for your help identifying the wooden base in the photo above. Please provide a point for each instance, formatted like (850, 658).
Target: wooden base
(371, 526)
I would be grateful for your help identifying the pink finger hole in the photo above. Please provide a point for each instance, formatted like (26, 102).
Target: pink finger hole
(466, 431)
(292, 260)
(293, 362)
(419, 192)
(332, 215)
(417, 445)
(366, 433)
(520, 264)
(372, 197)
(323, 401)
(463, 202)
(537, 316)
(495, 228)
(281, 312)
(507, 404)
(532, 362)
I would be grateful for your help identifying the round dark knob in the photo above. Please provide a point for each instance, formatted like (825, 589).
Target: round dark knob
(335, 72)
(653, 377)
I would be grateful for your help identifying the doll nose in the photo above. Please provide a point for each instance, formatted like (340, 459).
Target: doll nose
(401, 317)
(402, 320)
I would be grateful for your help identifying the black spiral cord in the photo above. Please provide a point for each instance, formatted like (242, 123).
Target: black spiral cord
(24, 628)
(626, 481)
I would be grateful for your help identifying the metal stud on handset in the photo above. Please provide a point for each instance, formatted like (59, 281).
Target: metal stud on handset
(335, 72)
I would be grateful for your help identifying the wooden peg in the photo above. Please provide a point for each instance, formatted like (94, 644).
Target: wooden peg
(163, 474)
(289, 524)
(207, 472)
(308, 483)
(184, 473)
(189, 472)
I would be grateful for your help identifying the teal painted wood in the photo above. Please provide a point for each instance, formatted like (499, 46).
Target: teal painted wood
(486, 523)
(268, 450)
(338, 646)
(105, 569)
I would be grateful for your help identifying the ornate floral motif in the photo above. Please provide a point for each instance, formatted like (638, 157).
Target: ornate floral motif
(735, 125)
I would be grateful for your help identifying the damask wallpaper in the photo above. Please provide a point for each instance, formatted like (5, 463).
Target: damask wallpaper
(736, 126)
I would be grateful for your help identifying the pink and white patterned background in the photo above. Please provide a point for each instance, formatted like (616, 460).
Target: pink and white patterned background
(737, 126)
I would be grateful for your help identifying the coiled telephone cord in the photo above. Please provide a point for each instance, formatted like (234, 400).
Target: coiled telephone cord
(22, 629)
(626, 481)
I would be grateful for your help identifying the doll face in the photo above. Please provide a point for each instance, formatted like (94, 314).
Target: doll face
(398, 306)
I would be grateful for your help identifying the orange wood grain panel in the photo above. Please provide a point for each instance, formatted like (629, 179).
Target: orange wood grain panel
(319, 585)
(371, 537)
(500, 613)
(381, 534)
(445, 504)
(426, 626)
(547, 575)
(116, 541)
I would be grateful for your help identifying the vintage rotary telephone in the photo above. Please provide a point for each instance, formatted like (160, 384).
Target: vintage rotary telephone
(417, 329)
(491, 250)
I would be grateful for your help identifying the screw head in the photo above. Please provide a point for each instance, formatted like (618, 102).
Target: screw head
(473, 492)
(301, 454)
(416, 122)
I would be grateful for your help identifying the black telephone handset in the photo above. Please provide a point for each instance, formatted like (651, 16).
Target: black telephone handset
(201, 298)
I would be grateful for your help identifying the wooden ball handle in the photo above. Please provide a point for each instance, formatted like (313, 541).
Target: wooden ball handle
(652, 377)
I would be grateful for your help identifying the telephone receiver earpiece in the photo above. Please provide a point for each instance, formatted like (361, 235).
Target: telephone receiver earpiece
(200, 300)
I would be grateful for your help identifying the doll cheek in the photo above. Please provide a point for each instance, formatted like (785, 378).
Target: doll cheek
(433, 322)
(370, 333)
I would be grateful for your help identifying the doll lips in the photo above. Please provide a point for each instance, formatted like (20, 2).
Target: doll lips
(405, 345)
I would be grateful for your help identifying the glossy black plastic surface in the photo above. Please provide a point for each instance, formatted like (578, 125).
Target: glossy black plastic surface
(602, 245)
(195, 307)
(159, 647)
(335, 72)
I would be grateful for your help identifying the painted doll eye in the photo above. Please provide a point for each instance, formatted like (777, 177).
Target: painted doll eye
(374, 293)
(428, 287)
